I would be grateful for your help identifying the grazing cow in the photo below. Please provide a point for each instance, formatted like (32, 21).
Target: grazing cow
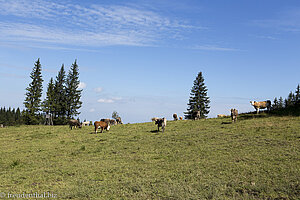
(112, 122)
(261, 105)
(103, 126)
(180, 118)
(220, 115)
(119, 121)
(86, 123)
(175, 117)
(196, 115)
(234, 114)
(162, 122)
(74, 123)
(154, 119)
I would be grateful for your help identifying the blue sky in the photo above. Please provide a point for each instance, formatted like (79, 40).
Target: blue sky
(140, 58)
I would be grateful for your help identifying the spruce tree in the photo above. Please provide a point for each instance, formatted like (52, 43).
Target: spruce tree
(280, 103)
(199, 101)
(60, 97)
(49, 102)
(73, 94)
(33, 95)
(275, 104)
(297, 94)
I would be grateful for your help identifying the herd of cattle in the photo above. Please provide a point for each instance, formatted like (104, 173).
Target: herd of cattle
(104, 124)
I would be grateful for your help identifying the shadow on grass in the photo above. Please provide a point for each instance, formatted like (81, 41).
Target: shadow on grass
(226, 123)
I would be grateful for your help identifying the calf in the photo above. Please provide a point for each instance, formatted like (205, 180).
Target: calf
(261, 105)
(102, 125)
(234, 114)
(74, 123)
(220, 115)
(175, 117)
(162, 122)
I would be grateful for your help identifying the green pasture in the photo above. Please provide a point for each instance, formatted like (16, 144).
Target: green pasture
(256, 158)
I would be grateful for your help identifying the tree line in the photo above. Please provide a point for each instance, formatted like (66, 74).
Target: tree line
(62, 100)
(289, 105)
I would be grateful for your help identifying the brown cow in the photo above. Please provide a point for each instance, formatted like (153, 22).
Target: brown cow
(180, 118)
(261, 105)
(112, 122)
(102, 125)
(105, 120)
(75, 123)
(234, 114)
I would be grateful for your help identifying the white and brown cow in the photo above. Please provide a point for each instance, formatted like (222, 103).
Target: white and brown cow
(161, 122)
(234, 114)
(221, 115)
(102, 125)
(261, 105)
(119, 120)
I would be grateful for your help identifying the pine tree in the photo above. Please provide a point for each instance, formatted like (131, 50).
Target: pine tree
(297, 94)
(199, 101)
(275, 104)
(280, 103)
(33, 95)
(60, 97)
(49, 102)
(290, 100)
(73, 94)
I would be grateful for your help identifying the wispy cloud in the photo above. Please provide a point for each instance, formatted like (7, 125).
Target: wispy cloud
(109, 100)
(213, 48)
(92, 25)
(286, 20)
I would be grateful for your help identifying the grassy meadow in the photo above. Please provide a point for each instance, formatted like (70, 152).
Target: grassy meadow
(255, 158)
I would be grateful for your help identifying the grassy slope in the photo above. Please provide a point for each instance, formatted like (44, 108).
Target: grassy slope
(205, 159)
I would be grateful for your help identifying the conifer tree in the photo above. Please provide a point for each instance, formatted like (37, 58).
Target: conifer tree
(33, 95)
(290, 100)
(297, 94)
(280, 103)
(49, 102)
(73, 94)
(275, 104)
(60, 97)
(199, 101)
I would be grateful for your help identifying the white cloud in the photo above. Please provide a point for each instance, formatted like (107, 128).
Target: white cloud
(105, 101)
(98, 89)
(110, 100)
(82, 85)
(213, 48)
(94, 25)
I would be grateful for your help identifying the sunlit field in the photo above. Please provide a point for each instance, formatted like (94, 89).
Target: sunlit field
(254, 158)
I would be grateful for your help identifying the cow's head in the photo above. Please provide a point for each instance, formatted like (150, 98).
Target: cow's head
(252, 103)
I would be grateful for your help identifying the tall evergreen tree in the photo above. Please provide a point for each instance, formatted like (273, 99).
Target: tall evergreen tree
(33, 95)
(280, 103)
(297, 94)
(290, 100)
(60, 97)
(275, 104)
(199, 101)
(49, 102)
(73, 94)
